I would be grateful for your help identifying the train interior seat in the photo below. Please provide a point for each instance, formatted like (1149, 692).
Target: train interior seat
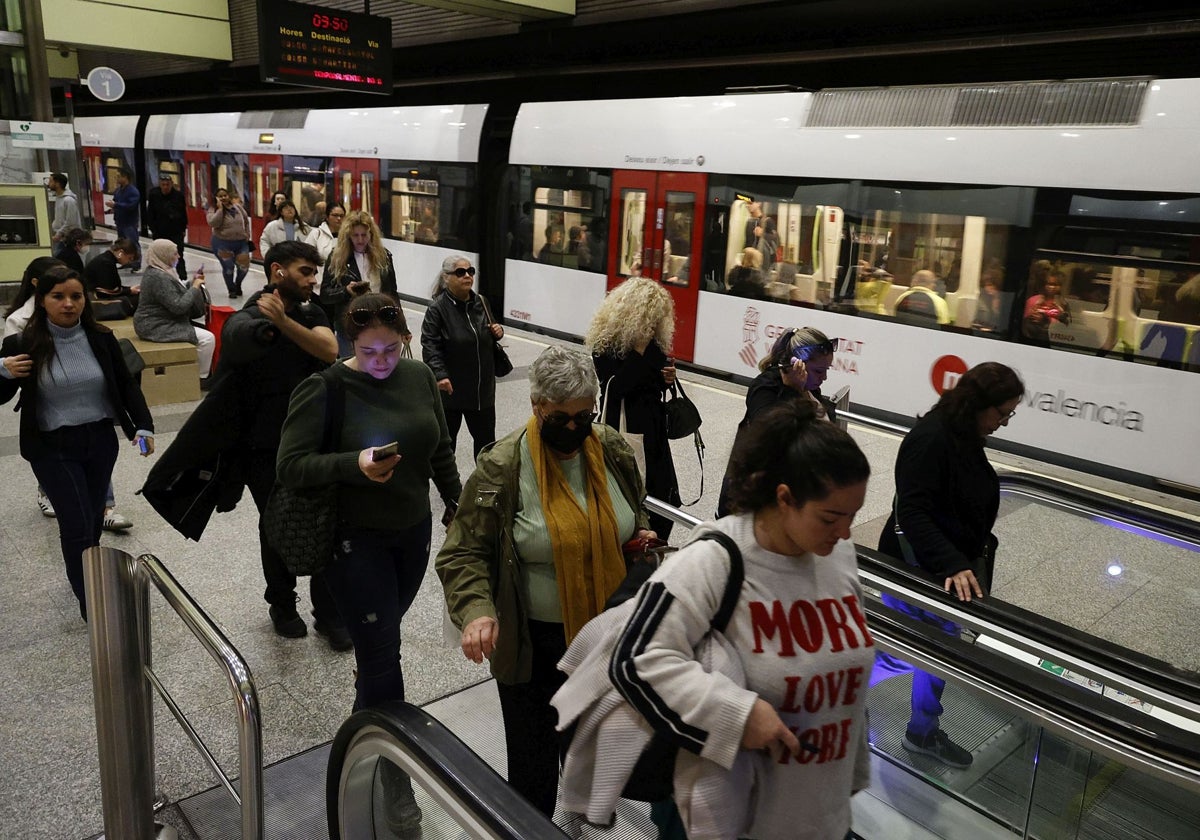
(780, 292)
(1163, 340)
(805, 290)
(1096, 325)
(889, 299)
(873, 302)
(962, 308)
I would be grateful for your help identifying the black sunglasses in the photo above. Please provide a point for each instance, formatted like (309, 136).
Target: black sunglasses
(384, 314)
(463, 272)
(561, 418)
(805, 353)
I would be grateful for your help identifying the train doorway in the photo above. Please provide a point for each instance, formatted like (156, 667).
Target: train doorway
(656, 233)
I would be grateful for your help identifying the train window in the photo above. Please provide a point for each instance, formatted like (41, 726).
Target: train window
(170, 169)
(565, 222)
(366, 187)
(231, 175)
(95, 174)
(112, 165)
(431, 203)
(304, 184)
(631, 230)
(677, 242)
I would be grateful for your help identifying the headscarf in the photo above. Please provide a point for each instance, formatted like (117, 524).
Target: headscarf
(162, 254)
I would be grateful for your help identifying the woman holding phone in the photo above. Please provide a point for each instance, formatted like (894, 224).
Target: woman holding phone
(393, 440)
(230, 225)
(357, 265)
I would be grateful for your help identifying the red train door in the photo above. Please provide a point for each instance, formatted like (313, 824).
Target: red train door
(95, 175)
(356, 184)
(198, 190)
(657, 233)
(266, 179)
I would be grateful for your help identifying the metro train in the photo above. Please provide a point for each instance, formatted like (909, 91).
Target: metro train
(964, 200)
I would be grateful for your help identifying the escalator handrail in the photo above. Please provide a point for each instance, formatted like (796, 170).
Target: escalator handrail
(1077, 649)
(1083, 501)
(461, 772)
(1074, 711)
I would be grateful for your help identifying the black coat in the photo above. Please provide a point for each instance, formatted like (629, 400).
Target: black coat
(636, 380)
(123, 392)
(166, 215)
(457, 345)
(947, 495)
(335, 296)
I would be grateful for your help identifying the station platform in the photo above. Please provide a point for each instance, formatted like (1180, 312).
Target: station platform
(1049, 562)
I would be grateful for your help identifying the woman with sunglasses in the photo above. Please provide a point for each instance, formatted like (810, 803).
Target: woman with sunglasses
(795, 369)
(383, 499)
(630, 339)
(457, 342)
(947, 498)
(357, 265)
(536, 549)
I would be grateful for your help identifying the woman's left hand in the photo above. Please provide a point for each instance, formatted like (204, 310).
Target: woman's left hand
(149, 442)
(668, 374)
(379, 471)
(497, 331)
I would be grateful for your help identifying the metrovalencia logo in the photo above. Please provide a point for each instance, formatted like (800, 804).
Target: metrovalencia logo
(947, 370)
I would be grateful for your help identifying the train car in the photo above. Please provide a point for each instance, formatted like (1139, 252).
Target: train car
(918, 226)
(413, 168)
(108, 146)
(976, 195)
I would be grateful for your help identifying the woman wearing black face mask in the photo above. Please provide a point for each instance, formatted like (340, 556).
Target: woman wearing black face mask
(535, 550)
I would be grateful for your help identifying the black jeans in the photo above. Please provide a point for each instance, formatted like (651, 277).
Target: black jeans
(374, 578)
(481, 424)
(76, 478)
(281, 584)
(529, 720)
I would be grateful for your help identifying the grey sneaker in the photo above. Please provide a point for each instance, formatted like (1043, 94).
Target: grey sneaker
(115, 522)
(939, 746)
(44, 505)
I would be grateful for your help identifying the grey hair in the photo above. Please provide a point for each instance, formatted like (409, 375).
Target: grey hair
(447, 266)
(562, 374)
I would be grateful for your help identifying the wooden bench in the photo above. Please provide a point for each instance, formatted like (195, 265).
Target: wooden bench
(172, 373)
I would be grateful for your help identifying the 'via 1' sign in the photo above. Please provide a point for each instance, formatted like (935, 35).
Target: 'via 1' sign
(299, 44)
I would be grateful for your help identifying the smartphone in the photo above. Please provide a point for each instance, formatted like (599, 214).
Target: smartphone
(143, 446)
(386, 451)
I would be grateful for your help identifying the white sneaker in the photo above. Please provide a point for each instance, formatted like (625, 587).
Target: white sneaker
(114, 521)
(44, 505)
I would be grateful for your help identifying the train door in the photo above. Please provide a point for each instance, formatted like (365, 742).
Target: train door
(197, 190)
(356, 184)
(95, 176)
(656, 232)
(266, 179)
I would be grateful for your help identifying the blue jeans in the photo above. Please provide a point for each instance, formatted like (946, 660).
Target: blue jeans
(75, 476)
(926, 688)
(374, 577)
(229, 264)
(130, 232)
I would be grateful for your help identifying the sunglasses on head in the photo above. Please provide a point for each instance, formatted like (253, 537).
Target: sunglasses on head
(825, 348)
(463, 272)
(384, 314)
(561, 418)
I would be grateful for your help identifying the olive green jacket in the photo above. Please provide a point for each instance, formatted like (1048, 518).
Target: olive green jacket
(478, 564)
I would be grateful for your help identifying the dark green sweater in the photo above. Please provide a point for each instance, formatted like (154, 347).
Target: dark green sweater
(405, 407)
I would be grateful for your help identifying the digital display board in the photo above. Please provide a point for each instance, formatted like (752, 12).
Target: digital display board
(313, 46)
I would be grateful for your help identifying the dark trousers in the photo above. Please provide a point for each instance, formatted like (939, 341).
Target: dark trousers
(281, 584)
(529, 720)
(374, 578)
(75, 477)
(481, 424)
(926, 688)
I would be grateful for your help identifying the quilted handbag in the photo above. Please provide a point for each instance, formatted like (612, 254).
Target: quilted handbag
(301, 523)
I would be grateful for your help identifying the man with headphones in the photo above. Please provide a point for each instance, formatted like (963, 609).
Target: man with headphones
(278, 339)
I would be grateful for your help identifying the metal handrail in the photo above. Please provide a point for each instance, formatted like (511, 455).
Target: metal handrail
(117, 591)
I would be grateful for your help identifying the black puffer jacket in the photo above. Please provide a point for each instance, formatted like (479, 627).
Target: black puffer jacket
(457, 345)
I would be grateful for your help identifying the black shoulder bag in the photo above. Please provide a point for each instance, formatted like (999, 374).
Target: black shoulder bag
(683, 419)
(301, 523)
(500, 361)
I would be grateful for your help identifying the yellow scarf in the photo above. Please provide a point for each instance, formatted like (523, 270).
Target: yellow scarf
(587, 550)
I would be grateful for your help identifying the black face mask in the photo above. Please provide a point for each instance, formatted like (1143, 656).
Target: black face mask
(564, 439)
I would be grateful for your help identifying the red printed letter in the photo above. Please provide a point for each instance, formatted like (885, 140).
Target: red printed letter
(768, 625)
(806, 626)
(837, 625)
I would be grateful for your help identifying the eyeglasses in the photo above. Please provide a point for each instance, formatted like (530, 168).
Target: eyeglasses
(463, 272)
(561, 418)
(384, 314)
(1010, 415)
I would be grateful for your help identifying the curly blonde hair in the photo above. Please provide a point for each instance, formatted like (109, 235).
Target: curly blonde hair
(635, 311)
(344, 248)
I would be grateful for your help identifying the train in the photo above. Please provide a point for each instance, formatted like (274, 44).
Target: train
(963, 199)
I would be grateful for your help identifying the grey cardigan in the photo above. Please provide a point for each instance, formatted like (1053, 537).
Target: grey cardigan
(166, 307)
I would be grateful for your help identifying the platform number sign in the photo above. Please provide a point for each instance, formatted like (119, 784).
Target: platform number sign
(106, 84)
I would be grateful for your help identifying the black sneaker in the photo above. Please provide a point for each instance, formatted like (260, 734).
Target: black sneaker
(400, 809)
(336, 634)
(938, 745)
(287, 623)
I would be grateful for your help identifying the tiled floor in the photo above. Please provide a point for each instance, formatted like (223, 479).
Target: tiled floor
(50, 790)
